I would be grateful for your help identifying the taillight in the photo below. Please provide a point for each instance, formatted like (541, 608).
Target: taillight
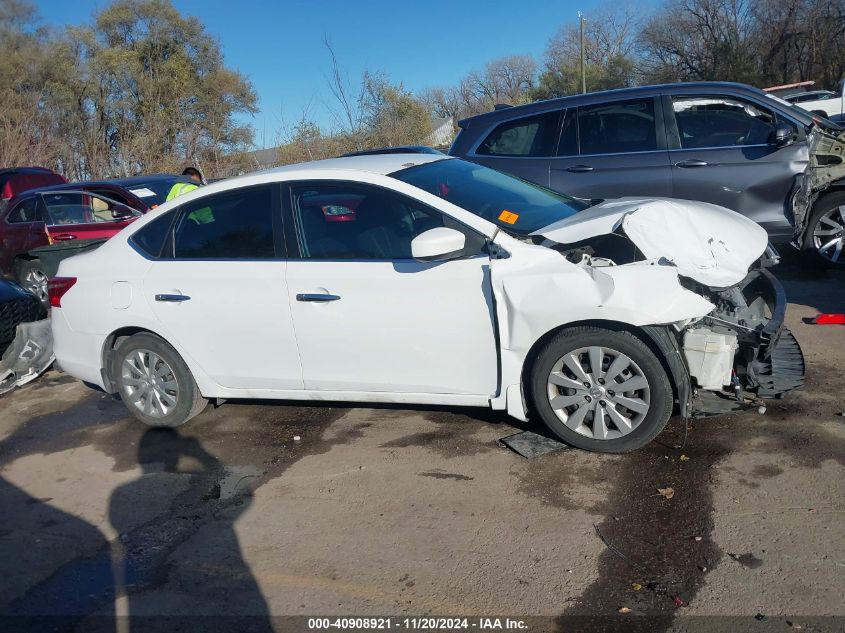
(57, 287)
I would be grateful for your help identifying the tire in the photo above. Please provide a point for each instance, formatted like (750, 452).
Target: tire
(167, 397)
(826, 228)
(31, 276)
(577, 420)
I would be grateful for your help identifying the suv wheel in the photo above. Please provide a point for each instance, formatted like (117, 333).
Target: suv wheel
(601, 390)
(31, 276)
(825, 235)
(154, 382)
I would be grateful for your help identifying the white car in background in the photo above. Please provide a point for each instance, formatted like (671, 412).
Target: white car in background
(420, 278)
(824, 102)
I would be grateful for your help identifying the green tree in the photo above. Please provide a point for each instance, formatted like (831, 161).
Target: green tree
(145, 89)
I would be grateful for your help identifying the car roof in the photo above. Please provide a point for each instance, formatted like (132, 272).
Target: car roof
(25, 170)
(402, 149)
(382, 164)
(134, 200)
(691, 87)
(135, 180)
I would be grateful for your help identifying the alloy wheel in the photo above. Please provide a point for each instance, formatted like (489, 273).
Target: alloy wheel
(149, 383)
(829, 234)
(598, 392)
(35, 281)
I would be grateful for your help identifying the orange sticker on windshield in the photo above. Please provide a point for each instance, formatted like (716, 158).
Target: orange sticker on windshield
(508, 216)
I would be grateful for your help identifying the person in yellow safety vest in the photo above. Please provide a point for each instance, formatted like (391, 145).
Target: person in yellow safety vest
(200, 216)
(184, 187)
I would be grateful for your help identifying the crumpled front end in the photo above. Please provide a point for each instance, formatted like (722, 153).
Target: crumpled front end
(826, 165)
(733, 342)
(742, 350)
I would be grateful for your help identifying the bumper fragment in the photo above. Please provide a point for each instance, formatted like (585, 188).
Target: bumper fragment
(29, 355)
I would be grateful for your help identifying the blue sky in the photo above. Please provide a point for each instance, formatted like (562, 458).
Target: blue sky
(279, 45)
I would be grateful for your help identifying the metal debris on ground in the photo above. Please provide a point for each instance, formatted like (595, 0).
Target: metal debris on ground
(530, 445)
(28, 356)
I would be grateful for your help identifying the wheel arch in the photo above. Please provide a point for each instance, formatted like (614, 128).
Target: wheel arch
(108, 352)
(658, 338)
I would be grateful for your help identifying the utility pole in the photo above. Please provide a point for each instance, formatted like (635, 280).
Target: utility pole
(583, 75)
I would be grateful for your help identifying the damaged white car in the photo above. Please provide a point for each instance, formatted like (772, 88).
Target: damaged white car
(419, 278)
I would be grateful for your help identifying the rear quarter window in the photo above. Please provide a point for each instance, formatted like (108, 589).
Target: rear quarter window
(151, 238)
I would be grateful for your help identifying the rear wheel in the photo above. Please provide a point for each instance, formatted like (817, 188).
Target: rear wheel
(31, 276)
(601, 390)
(154, 382)
(824, 240)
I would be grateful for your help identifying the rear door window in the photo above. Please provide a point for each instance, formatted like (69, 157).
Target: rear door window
(235, 224)
(617, 128)
(710, 122)
(24, 211)
(529, 136)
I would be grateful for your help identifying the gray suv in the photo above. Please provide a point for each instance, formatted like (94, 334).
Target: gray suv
(724, 143)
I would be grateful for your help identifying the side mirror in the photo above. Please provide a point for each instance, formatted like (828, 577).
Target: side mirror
(121, 212)
(783, 135)
(437, 244)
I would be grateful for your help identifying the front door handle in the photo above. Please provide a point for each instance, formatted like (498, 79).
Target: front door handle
(317, 298)
(172, 298)
(579, 169)
(691, 163)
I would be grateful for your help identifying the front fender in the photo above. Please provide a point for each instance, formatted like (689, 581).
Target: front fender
(534, 302)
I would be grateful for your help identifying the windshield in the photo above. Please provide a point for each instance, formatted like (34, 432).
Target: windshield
(514, 205)
(805, 114)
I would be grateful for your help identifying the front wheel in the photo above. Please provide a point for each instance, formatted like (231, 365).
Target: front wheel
(154, 382)
(600, 390)
(825, 236)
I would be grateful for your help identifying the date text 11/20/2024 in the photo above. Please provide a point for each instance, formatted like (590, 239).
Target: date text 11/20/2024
(417, 624)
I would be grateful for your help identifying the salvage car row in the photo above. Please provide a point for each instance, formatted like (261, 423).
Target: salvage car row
(40, 209)
(423, 278)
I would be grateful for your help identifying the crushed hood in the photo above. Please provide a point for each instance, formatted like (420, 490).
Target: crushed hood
(703, 241)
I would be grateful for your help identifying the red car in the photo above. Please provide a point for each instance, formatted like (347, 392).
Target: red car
(74, 213)
(16, 180)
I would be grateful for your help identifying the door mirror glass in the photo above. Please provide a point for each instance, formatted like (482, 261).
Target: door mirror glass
(438, 244)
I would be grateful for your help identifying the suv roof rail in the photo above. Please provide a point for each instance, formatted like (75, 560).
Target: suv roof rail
(501, 106)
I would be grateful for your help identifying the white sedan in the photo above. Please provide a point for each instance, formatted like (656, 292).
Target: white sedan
(419, 278)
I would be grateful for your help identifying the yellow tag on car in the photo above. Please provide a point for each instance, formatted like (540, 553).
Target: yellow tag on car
(508, 216)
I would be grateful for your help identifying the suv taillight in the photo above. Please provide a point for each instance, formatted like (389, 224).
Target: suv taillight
(57, 287)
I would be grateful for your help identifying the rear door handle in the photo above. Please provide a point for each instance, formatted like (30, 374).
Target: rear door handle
(172, 298)
(62, 237)
(317, 298)
(691, 163)
(579, 169)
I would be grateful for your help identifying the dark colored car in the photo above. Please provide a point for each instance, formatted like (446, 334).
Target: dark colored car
(724, 143)
(16, 180)
(74, 214)
(26, 343)
(152, 189)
